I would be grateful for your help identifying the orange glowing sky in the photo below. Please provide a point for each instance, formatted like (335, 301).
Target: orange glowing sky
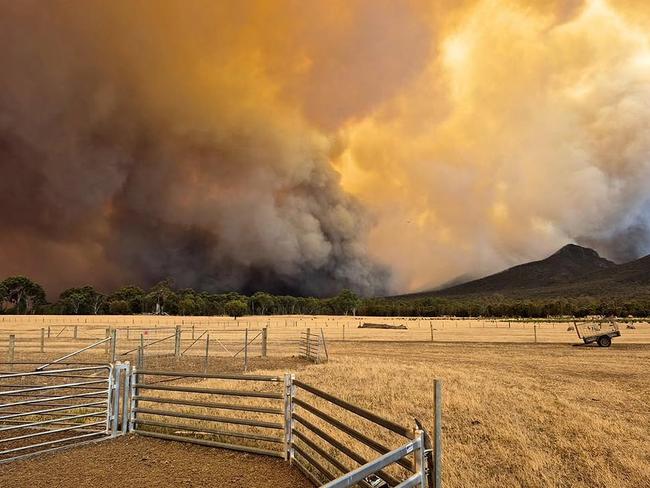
(476, 134)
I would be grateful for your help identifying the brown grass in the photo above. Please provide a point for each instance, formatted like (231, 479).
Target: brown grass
(514, 414)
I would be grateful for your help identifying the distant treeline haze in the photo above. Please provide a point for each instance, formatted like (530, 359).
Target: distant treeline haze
(21, 295)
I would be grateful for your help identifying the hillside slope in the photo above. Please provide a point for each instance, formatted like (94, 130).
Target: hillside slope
(567, 265)
(571, 271)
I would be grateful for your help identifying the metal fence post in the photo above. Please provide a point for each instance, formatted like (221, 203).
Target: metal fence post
(322, 336)
(289, 393)
(113, 344)
(207, 349)
(108, 334)
(134, 403)
(437, 440)
(264, 341)
(115, 400)
(42, 339)
(177, 343)
(420, 459)
(308, 343)
(246, 350)
(12, 347)
(125, 398)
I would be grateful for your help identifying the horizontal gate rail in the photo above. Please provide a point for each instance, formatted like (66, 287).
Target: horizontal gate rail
(351, 432)
(312, 462)
(47, 443)
(52, 410)
(224, 420)
(366, 414)
(52, 387)
(48, 422)
(343, 448)
(362, 472)
(214, 391)
(53, 372)
(325, 455)
(47, 399)
(204, 430)
(223, 406)
(201, 442)
(242, 377)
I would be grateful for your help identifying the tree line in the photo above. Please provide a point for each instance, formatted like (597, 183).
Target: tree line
(21, 295)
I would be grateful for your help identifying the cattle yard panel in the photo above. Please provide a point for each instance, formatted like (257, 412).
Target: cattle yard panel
(312, 346)
(47, 410)
(332, 437)
(333, 442)
(164, 409)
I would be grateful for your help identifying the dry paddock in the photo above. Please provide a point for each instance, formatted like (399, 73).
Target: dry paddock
(515, 415)
(135, 461)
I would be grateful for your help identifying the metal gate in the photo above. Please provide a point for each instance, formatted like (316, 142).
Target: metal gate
(330, 440)
(43, 411)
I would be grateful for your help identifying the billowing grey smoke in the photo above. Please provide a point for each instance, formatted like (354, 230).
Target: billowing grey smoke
(132, 152)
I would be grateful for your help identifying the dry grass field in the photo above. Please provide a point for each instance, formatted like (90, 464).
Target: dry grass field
(225, 331)
(516, 414)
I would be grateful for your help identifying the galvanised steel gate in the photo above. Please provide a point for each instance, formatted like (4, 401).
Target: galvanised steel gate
(42, 411)
(322, 435)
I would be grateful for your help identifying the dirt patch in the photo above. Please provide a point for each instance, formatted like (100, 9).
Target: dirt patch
(149, 463)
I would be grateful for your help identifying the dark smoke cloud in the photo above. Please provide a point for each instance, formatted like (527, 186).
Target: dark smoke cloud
(140, 141)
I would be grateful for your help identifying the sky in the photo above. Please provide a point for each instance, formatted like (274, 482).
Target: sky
(306, 146)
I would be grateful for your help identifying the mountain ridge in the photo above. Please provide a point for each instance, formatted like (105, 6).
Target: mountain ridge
(573, 270)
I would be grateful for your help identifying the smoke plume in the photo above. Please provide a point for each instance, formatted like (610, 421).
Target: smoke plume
(308, 146)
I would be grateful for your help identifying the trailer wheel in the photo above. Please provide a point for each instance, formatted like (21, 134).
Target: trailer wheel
(604, 341)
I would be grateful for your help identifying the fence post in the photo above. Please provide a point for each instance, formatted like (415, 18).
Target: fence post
(192, 332)
(75, 333)
(108, 334)
(12, 347)
(246, 350)
(289, 393)
(343, 332)
(48, 331)
(431, 326)
(207, 348)
(264, 339)
(308, 343)
(437, 440)
(125, 399)
(134, 392)
(420, 459)
(322, 336)
(113, 344)
(42, 339)
(535, 330)
(177, 343)
(115, 398)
